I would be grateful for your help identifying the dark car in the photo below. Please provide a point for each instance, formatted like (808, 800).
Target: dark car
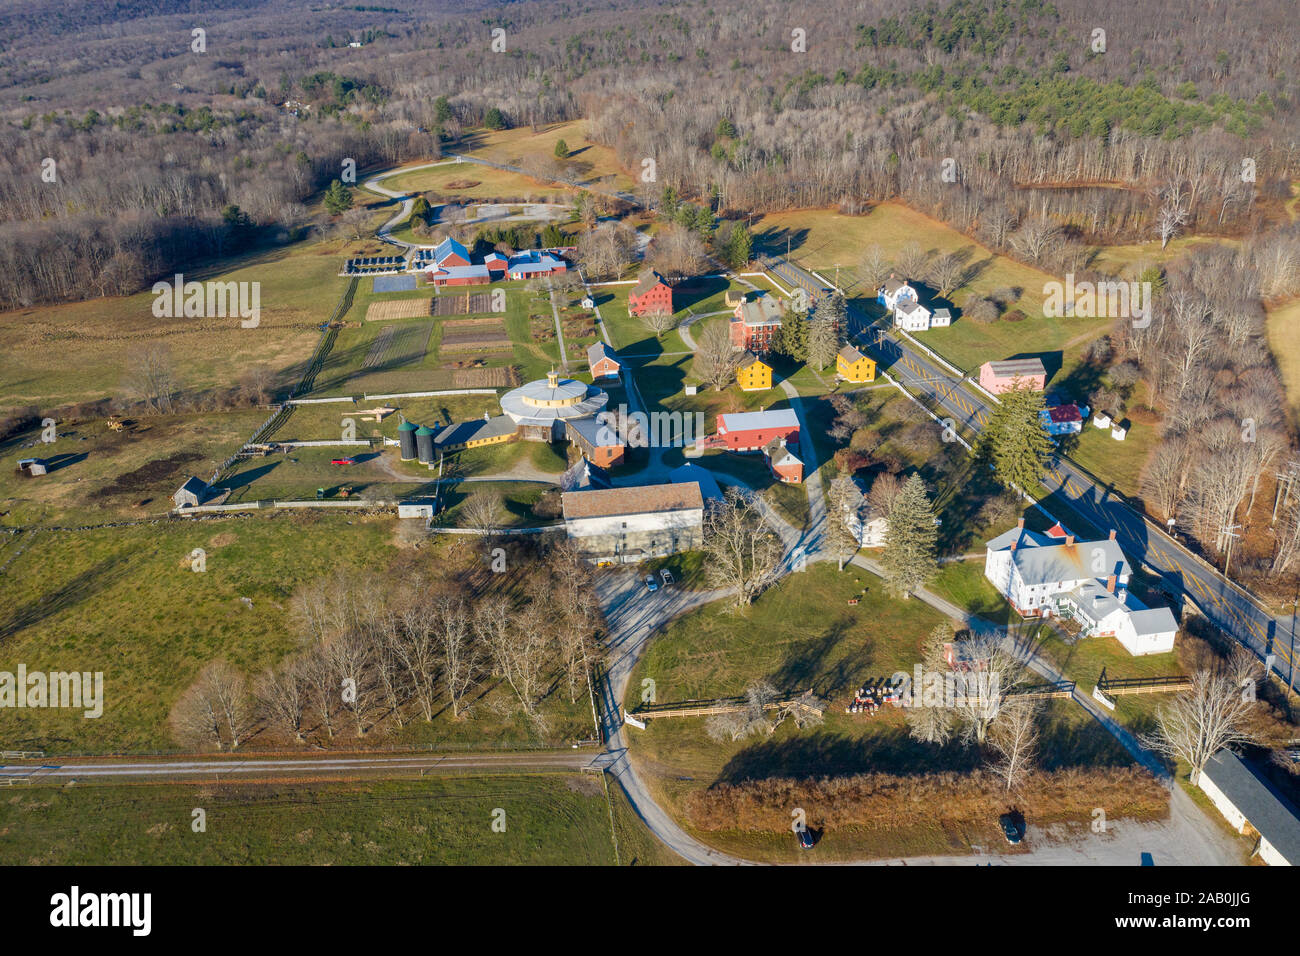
(805, 838)
(1013, 827)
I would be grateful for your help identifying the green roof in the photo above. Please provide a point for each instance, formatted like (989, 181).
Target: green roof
(424, 430)
(407, 427)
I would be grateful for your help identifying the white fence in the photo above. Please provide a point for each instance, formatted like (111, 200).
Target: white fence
(451, 391)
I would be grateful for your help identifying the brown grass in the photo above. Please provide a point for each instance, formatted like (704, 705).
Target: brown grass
(888, 802)
(399, 309)
(485, 378)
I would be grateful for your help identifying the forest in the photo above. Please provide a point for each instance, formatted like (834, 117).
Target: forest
(127, 139)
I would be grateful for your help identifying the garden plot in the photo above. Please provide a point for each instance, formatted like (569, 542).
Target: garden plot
(398, 309)
(474, 335)
(467, 304)
(398, 345)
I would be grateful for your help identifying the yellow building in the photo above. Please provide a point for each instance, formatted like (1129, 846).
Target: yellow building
(754, 375)
(852, 366)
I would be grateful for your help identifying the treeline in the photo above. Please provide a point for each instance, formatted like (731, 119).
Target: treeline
(880, 801)
(382, 650)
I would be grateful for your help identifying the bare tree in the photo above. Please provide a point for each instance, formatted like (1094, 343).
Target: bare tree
(659, 321)
(716, 360)
(743, 551)
(843, 499)
(913, 261)
(946, 274)
(483, 511)
(149, 377)
(520, 646)
(1035, 239)
(1014, 738)
(214, 708)
(1201, 721)
(750, 718)
(989, 670)
(873, 267)
(931, 721)
(282, 695)
(457, 651)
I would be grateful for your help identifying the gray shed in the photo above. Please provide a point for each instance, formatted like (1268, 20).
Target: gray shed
(191, 494)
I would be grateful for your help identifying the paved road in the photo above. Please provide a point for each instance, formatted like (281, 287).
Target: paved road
(323, 766)
(1084, 503)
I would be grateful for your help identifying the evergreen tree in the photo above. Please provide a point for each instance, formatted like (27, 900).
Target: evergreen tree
(823, 342)
(494, 119)
(739, 247)
(792, 338)
(910, 540)
(442, 110)
(553, 236)
(561, 149)
(1014, 441)
(338, 198)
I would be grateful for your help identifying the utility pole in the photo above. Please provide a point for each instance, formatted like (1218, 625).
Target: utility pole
(1285, 479)
(1230, 533)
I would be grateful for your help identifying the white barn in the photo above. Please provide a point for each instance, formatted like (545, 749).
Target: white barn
(1253, 805)
(630, 524)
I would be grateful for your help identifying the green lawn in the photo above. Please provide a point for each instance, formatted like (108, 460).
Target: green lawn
(549, 820)
(803, 634)
(964, 584)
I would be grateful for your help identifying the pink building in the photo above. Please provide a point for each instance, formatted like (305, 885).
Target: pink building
(999, 377)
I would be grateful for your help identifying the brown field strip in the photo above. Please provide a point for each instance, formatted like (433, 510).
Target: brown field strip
(398, 309)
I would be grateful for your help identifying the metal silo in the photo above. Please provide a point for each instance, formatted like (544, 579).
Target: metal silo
(424, 444)
(406, 439)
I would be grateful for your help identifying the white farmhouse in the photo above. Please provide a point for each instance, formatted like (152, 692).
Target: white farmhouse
(628, 525)
(1053, 575)
(912, 316)
(867, 527)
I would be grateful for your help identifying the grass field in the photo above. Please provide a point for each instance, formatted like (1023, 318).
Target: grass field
(1284, 339)
(589, 162)
(126, 602)
(491, 183)
(831, 649)
(550, 819)
(59, 354)
(99, 475)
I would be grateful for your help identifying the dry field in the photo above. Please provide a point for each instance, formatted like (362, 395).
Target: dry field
(467, 304)
(475, 336)
(502, 377)
(387, 309)
(398, 345)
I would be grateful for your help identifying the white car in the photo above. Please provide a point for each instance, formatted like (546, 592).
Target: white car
(666, 576)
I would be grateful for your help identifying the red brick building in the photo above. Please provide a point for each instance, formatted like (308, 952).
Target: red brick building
(652, 294)
(755, 322)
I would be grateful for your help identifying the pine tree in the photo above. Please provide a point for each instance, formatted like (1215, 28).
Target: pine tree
(792, 337)
(823, 342)
(561, 149)
(910, 540)
(338, 198)
(494, 119)
(1014, 441)
(740, 246)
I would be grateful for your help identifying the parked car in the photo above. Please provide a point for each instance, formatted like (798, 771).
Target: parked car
(666, 575)
(342, 461)
(1013, 827)
(805, 837)
(651, 584)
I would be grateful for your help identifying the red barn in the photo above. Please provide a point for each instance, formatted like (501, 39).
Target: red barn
(449, 252)
(750, 431)
(651, 294)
